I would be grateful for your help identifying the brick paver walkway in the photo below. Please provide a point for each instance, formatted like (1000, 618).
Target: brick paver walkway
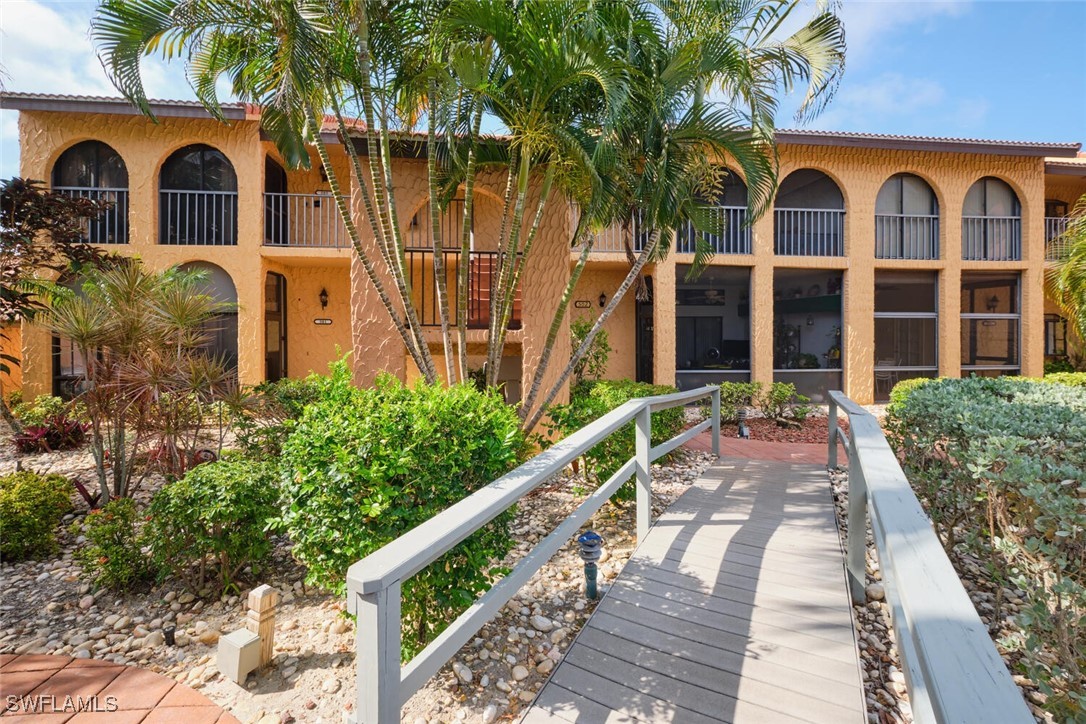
(785, 452)
(119, 694)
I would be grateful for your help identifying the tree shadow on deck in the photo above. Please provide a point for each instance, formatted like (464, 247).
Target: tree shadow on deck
(734, 608)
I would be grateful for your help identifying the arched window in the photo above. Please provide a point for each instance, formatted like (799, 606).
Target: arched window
(276, 204)
(224, 327)
(906, 219)
(198, 198)
(809, 213)
(991, 222)
(93, 170)
(730, 212)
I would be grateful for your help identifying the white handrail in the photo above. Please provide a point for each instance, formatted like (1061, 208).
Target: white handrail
(953, 672)
(373, 583)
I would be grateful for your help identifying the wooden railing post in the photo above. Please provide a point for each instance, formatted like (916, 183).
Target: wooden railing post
(643, 444)
(377, 643)
(831, 455)
(856, 553)
(716, 422)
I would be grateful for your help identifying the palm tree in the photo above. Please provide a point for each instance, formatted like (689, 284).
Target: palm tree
(1065, 281)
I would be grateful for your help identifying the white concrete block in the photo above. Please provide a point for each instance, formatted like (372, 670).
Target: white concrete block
(239, 654)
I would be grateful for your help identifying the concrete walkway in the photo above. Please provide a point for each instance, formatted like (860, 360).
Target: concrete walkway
(101, 691)
(733, 609)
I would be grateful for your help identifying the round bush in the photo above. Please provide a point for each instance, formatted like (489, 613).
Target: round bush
(209, 525)
(31, 506)
(364, 466)
(114, 552)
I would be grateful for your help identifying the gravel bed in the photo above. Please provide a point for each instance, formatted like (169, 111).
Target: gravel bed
(49, 607)
(884, 682)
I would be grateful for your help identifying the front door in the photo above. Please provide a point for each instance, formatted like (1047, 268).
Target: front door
(275, 325)
(644, 341)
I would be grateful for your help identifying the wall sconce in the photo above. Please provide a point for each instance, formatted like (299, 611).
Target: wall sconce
(324, 298)
(603, 299)
(993, 303)
(810, 320)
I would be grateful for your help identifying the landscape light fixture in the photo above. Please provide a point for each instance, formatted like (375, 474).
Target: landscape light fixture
(324, 298)
(590, 544)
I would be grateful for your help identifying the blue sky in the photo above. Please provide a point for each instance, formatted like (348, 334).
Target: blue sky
(1013, 70)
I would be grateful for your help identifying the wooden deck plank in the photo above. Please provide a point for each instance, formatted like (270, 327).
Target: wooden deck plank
(733, 609)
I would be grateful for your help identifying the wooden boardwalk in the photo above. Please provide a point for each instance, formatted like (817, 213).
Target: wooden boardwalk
(734, 608)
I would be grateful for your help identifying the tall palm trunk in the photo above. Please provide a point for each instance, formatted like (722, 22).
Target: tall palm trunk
(464, 270)
(440, 285)
(631, 277)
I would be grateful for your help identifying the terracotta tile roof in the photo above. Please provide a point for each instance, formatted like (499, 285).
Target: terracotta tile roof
(927, 143)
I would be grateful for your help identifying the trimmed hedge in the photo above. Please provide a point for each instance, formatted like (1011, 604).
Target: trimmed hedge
(364, 466)
(31, 506)
(1000, 465)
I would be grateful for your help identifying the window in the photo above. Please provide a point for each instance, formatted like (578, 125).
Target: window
(906, 328)
(991, 324)
(810, 215)
(1055, 336)
(906, 219)
(808, 347)
(198, 198)
(93, 170)
(991, 222)
(712, 326)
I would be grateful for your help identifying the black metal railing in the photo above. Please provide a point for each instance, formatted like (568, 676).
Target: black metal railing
(111, 226)
(198, 218)
(809, 232)
(902, 236)
(482, 285)
(991, 238)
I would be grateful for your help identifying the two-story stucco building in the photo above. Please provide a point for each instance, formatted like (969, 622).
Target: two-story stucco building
(883, 258)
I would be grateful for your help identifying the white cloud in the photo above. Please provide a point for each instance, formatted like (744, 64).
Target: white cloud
(870, 25)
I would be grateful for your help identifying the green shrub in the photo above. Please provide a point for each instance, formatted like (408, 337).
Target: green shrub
(364, 466)
(782, 404)
(901, 391)
(1061, 364)
(594, 361)
(589, 402)
(114, 552)
(31, 506)
(735, 395)
(262, 420)
(209, 525)
(34, 414)
(1000, 465)
(1071, 379)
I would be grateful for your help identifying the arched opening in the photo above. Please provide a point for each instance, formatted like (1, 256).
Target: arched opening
(276, 204)
(906, 219)
(198, 198)
(223, 329)
(94, 170)
(730, 234)
(809, 215)
(991, 222)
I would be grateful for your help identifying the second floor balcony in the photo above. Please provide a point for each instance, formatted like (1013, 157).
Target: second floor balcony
(482, 286)
(732, 235)
(809, 232)
(991, 238)
(205, 218)
(904, 236)
(303, 220)
(111, 226)
(1055, 226)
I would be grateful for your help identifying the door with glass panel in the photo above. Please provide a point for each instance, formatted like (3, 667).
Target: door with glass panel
(275, 325)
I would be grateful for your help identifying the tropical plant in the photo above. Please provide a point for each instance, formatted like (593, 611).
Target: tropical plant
(31, 506)
(149, 381)
(114, 554)
(594, 362)
(42, 235)
(364, 466)
(608, 104)
(1065, 279)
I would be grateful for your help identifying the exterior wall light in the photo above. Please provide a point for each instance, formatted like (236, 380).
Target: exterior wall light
(603, 299)
(590, 544)
(324, 298)
(993, 303)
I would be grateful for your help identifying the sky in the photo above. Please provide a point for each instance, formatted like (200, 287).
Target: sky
(998, 69)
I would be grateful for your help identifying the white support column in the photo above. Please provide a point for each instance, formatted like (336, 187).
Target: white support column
(856, 545)
(716, 422)
(643, 443)
(377, 643)
(831, 456)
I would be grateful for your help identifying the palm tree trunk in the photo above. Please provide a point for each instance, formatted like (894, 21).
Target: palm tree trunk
(631, 277)
(440, 286)
(494, 352)
(464, 270)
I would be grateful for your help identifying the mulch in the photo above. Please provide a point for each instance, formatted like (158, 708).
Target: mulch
(811, 430)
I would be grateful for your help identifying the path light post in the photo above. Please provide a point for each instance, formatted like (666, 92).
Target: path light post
(591, 545)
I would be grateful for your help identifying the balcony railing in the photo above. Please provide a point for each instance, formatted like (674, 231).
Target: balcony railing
(900, 236)
(198, 218)
(1055, 226)
(991, 238)
(111, 227)
(734, 236)
(810, 232)
(482, 283)
(303, 220)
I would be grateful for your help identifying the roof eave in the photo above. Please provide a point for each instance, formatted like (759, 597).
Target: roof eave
(119, 106)
(1060, 150)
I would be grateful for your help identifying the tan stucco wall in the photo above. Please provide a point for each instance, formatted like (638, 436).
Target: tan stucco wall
(621, 327)
(11, 346)
(310, 347)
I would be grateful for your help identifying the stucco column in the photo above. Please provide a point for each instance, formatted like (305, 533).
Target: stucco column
(1032, 285)
(544, 280)
(37, 358)
(950, 288)
(663, 322)
(858, 313)
(251, 343)
(761, 302)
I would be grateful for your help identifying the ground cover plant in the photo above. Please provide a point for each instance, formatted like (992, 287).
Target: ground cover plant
(1000, 465)
(364, 466)
(591, 400)
(31, 506)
